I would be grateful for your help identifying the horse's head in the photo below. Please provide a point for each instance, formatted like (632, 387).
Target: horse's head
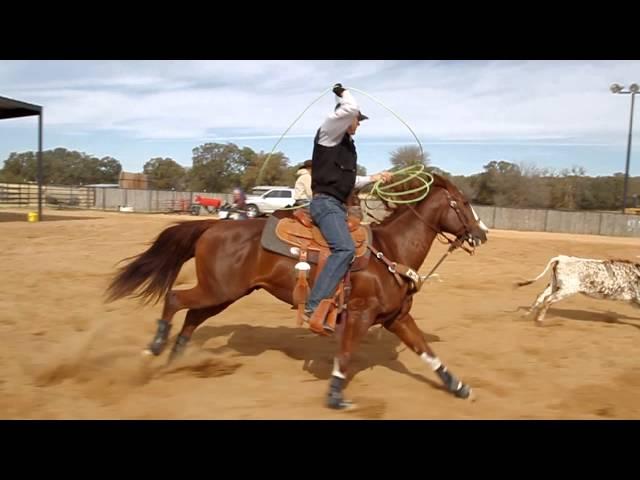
(444, 209)
(458, 216)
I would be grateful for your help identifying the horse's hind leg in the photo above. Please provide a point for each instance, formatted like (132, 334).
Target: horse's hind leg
(176, 300)
(406, 329)
(195, 317)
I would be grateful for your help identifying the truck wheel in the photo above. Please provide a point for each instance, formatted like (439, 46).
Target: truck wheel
(252, 211)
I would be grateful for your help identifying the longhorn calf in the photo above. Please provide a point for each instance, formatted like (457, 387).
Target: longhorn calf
(602, 279)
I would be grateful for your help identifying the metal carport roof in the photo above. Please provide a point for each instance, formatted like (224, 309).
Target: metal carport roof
(10, 108)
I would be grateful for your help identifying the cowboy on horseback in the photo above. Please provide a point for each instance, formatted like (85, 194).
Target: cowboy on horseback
(334, 164)
(258, 252)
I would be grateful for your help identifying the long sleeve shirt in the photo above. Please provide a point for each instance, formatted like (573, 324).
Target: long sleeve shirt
(336, 124)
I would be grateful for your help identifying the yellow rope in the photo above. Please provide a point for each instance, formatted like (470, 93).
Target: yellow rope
(259, 178)
(379, 189)
(386, 193)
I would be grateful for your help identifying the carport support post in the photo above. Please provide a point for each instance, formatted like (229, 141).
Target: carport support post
(40, 164)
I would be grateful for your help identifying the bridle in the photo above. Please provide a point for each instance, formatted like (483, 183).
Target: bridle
(461, 235)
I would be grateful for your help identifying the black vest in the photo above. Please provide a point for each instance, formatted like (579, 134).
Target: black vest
(333, 169)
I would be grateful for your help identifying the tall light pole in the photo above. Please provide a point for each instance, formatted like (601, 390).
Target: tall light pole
(633, 89)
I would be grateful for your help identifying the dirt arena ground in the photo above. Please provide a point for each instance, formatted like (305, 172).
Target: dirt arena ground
(67, 355)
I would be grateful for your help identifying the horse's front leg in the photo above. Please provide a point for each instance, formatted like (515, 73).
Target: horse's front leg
(406, 329)
(351, 333)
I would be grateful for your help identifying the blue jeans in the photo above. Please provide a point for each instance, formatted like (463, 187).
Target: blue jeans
(330, 215)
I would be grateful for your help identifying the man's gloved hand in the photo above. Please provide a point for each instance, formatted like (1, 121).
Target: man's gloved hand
(338, 89)
(385, 177)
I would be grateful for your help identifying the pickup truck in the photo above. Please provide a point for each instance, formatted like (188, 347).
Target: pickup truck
(267, 199)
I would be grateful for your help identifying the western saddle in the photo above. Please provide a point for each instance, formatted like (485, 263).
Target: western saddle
(306, 243)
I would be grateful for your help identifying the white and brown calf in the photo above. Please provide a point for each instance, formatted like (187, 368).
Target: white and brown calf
(603, 279)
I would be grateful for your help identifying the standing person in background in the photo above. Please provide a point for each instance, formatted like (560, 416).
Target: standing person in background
(302, 194)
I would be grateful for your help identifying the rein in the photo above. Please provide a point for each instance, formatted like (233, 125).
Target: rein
(417, 279)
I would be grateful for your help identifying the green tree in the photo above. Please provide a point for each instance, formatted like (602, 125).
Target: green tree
(567, 191)
(276, 171)
(494, 184)
(605, 193)
(165, 174)
(61, 166)
(218, 167)
(464, 184)
(109, 169)
(19, 167)
(410, 155)
(534, 188)
(289, 176)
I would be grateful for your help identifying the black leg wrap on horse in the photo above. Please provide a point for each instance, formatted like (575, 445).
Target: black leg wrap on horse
(160, 340)
(335, 399)
(179, 347)
(452, 383)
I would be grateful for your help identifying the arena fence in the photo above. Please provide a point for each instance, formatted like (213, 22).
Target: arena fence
(167, 201)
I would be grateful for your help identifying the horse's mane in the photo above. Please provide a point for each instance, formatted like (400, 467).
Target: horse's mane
(396, 209)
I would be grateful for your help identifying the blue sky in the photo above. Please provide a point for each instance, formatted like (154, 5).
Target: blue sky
(552, 114)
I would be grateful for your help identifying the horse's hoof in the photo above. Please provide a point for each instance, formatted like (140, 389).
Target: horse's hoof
(174, 356)
(146, 352)
(156, 348)
(179, 348)
(335, 400)
(339, 404)
(463, 392)
(159, 341)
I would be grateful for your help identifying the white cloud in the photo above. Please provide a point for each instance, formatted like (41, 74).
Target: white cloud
(203, 100)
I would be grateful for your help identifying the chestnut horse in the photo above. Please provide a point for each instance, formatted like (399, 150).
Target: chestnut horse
(230, 263)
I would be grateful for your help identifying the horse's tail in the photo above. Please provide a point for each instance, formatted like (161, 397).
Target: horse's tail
(160, 264)
(551, 262)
